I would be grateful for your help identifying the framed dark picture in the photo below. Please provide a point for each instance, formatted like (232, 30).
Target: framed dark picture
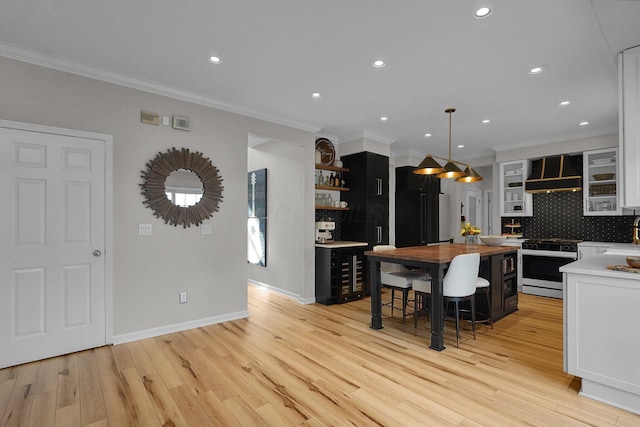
(257, 217)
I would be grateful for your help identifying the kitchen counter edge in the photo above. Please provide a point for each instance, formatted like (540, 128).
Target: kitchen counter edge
(596, 265)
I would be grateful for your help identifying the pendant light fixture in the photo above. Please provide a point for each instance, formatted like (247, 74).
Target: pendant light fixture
(429, 166)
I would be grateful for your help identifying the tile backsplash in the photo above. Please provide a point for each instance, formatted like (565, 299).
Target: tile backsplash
(560, 215)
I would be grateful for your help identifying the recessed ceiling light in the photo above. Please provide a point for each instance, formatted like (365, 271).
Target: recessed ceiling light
(427, 135)
(485, 121)
(379, 63)
(564, 103)
(215, 59)
(316, 95)
(461, 146)
(384, 118)
(537, 69)
(482, 12)
(584, 123)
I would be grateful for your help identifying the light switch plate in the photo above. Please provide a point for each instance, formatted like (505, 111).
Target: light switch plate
(205, 229)
(144, 229)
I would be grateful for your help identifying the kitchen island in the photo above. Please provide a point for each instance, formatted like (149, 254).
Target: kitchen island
(602, 329)
(501, 272)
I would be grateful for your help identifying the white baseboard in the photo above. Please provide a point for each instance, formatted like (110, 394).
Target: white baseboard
(169, 329)
(289, 294)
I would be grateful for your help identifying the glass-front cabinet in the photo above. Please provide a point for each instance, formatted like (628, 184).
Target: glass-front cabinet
(600, 182)
(514, 201)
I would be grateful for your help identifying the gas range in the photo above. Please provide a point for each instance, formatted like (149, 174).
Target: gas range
(541, 262)
(551, 244)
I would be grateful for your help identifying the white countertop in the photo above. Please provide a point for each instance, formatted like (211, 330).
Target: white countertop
(341, 244)
(597, 266)
(615, 248)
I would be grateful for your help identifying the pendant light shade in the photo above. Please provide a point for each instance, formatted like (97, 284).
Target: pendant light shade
(429, 166)
(451, 171)
(469, 176)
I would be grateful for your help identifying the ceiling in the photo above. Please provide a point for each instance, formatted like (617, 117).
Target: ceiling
(276, 53)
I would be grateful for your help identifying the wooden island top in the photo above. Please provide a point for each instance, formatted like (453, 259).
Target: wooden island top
(439, 254)
(436, 260)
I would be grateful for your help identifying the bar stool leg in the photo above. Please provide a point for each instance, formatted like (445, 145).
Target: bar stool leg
(457, 314)
(405, 301)
(489, 310)
(473, 316)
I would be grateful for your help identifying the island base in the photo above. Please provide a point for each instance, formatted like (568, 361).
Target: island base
(611, 396)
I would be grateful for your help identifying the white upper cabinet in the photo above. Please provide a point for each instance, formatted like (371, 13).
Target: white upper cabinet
(629, 78)
(600, 182)
(514, 201)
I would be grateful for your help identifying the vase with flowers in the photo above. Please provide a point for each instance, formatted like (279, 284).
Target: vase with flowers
(470, 233)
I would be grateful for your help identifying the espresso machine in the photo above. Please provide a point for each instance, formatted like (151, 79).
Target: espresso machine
(323, 231)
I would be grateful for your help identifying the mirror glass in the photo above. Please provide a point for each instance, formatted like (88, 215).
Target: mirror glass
(184, 188)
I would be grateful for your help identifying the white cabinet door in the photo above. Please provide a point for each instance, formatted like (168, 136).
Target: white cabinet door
(600, 183)
(629, 75)
(514, 201)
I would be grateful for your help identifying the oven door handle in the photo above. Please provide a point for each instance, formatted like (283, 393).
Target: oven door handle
(549, 254)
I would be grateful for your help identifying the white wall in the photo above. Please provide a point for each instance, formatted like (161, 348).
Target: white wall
(150, 271)
(286, 194)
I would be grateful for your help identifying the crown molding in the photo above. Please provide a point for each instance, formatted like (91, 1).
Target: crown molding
(69, 66)
(522, 144)
(368, 135)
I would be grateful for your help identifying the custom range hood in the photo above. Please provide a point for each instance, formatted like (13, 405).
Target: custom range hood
(553, 174)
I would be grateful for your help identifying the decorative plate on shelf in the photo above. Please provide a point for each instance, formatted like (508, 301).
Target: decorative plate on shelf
(602, 161)
(327, 150)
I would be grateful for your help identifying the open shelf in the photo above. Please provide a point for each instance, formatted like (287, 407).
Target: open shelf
(330, 208)
(329, 188)
(331, 168)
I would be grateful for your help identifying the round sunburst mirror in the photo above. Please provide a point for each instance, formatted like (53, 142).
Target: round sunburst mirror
(182, 187)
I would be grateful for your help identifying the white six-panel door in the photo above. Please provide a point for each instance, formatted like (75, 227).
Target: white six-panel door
(52, 242)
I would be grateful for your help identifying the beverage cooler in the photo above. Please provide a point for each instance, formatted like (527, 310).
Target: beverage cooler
(340, 275)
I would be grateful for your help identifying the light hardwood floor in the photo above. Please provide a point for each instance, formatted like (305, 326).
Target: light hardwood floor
(311, 365)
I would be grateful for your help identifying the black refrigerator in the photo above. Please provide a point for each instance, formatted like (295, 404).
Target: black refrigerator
(417, 208)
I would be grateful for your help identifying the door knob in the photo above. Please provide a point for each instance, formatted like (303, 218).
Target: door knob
(97, 253)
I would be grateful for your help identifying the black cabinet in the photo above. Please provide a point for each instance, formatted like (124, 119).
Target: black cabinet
(368, 217)
(340, 275)
(501, 271)
(417, 208)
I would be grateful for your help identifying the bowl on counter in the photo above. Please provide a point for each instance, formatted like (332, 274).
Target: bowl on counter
(634, 261)
(493, 240)
(603, 176)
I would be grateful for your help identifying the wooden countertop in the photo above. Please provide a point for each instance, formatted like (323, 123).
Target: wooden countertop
(439, 253)
(341, 244)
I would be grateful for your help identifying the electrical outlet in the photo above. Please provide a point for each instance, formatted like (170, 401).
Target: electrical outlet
(183, 297)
